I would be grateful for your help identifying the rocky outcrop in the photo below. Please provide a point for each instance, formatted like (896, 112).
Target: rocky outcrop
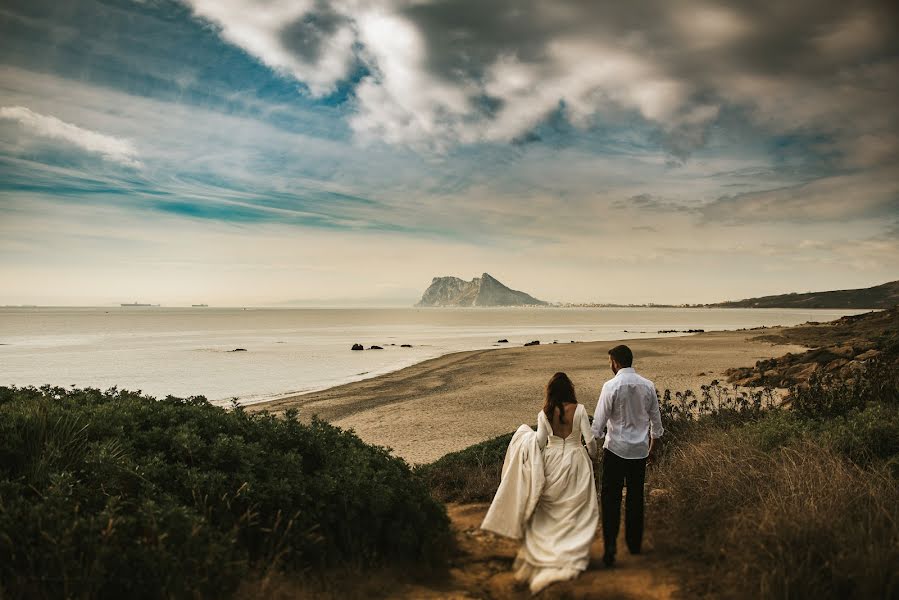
(842, 348)
(480, 291)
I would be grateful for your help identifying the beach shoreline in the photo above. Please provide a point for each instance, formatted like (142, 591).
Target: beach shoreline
(448, 403)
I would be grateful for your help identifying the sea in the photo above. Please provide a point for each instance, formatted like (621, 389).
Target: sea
(285, 351)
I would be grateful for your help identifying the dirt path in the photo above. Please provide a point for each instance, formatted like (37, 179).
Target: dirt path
(482, 569)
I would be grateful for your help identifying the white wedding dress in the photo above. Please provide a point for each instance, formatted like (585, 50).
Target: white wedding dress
(547, 498)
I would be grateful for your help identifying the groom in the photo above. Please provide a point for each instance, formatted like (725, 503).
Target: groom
(628, 409)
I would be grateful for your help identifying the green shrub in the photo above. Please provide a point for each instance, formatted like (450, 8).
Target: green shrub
(113, 494)
(867, 437)
(826, 396)
(776, 429)
(470, 475)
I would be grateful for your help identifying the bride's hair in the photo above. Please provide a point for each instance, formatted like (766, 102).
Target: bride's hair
(559, 391)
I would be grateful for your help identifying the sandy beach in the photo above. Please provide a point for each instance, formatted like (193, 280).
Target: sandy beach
(448, 403)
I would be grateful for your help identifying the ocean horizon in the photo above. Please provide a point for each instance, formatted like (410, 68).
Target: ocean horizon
(284, 351)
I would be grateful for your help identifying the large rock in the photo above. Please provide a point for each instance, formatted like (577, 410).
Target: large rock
(480, 291)
(803, 371)
(868, 355)
(837, 364)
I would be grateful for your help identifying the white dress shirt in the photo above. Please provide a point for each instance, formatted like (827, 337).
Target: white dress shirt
(628, 408)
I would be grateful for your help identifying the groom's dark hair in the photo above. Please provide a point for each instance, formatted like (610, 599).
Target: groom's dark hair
(622, 355)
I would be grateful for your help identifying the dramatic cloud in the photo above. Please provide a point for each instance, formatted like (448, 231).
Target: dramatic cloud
(463, 71)
(110, 148)
(692, 150)
(308, 40)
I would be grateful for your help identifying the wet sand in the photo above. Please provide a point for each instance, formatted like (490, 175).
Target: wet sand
(449, 403)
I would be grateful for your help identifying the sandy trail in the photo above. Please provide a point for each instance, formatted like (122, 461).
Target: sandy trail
(482, 566)
(449, 403)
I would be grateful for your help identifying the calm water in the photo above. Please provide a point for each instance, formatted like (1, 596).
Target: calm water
(186, 351)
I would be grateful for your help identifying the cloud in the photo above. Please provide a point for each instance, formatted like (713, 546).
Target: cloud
(648, 202)
(445, 73)
(836, 198)
(308, 40)
(110, 148)
(450, 72)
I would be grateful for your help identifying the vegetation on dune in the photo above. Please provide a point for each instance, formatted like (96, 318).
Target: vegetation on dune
(113, 494)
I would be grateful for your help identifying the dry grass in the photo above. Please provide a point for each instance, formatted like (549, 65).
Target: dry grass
(800, 522)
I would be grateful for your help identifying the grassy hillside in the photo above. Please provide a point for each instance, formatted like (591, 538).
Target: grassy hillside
(757, 499)
(116, 495)
(881, 296)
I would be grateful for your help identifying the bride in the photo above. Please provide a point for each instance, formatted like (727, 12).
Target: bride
(546, 496)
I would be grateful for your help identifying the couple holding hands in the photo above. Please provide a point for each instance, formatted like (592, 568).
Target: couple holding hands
(547, 495)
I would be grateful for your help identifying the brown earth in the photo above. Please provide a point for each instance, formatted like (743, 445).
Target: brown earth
(481, 568)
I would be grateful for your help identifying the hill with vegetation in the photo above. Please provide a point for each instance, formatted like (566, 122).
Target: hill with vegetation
(881, 296)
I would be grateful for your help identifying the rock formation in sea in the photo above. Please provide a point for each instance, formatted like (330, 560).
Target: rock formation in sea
(480, 291)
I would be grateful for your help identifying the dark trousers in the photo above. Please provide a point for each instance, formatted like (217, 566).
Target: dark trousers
(617, 473)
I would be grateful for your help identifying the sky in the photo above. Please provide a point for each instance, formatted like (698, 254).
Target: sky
(345, 152)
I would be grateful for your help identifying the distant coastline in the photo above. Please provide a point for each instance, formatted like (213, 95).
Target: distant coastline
(187, 350)
(487, 292)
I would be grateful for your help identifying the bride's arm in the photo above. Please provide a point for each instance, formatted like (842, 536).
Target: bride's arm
(542, 429)
(587, 432)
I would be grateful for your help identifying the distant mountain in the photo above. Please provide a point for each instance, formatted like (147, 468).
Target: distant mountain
(881, 296)
(480, 291)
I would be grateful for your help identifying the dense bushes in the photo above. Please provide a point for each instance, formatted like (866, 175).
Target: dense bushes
(112, 494)
(469, 475)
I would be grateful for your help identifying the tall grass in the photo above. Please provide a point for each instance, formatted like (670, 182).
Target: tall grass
(799, 522)
(790, 502)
